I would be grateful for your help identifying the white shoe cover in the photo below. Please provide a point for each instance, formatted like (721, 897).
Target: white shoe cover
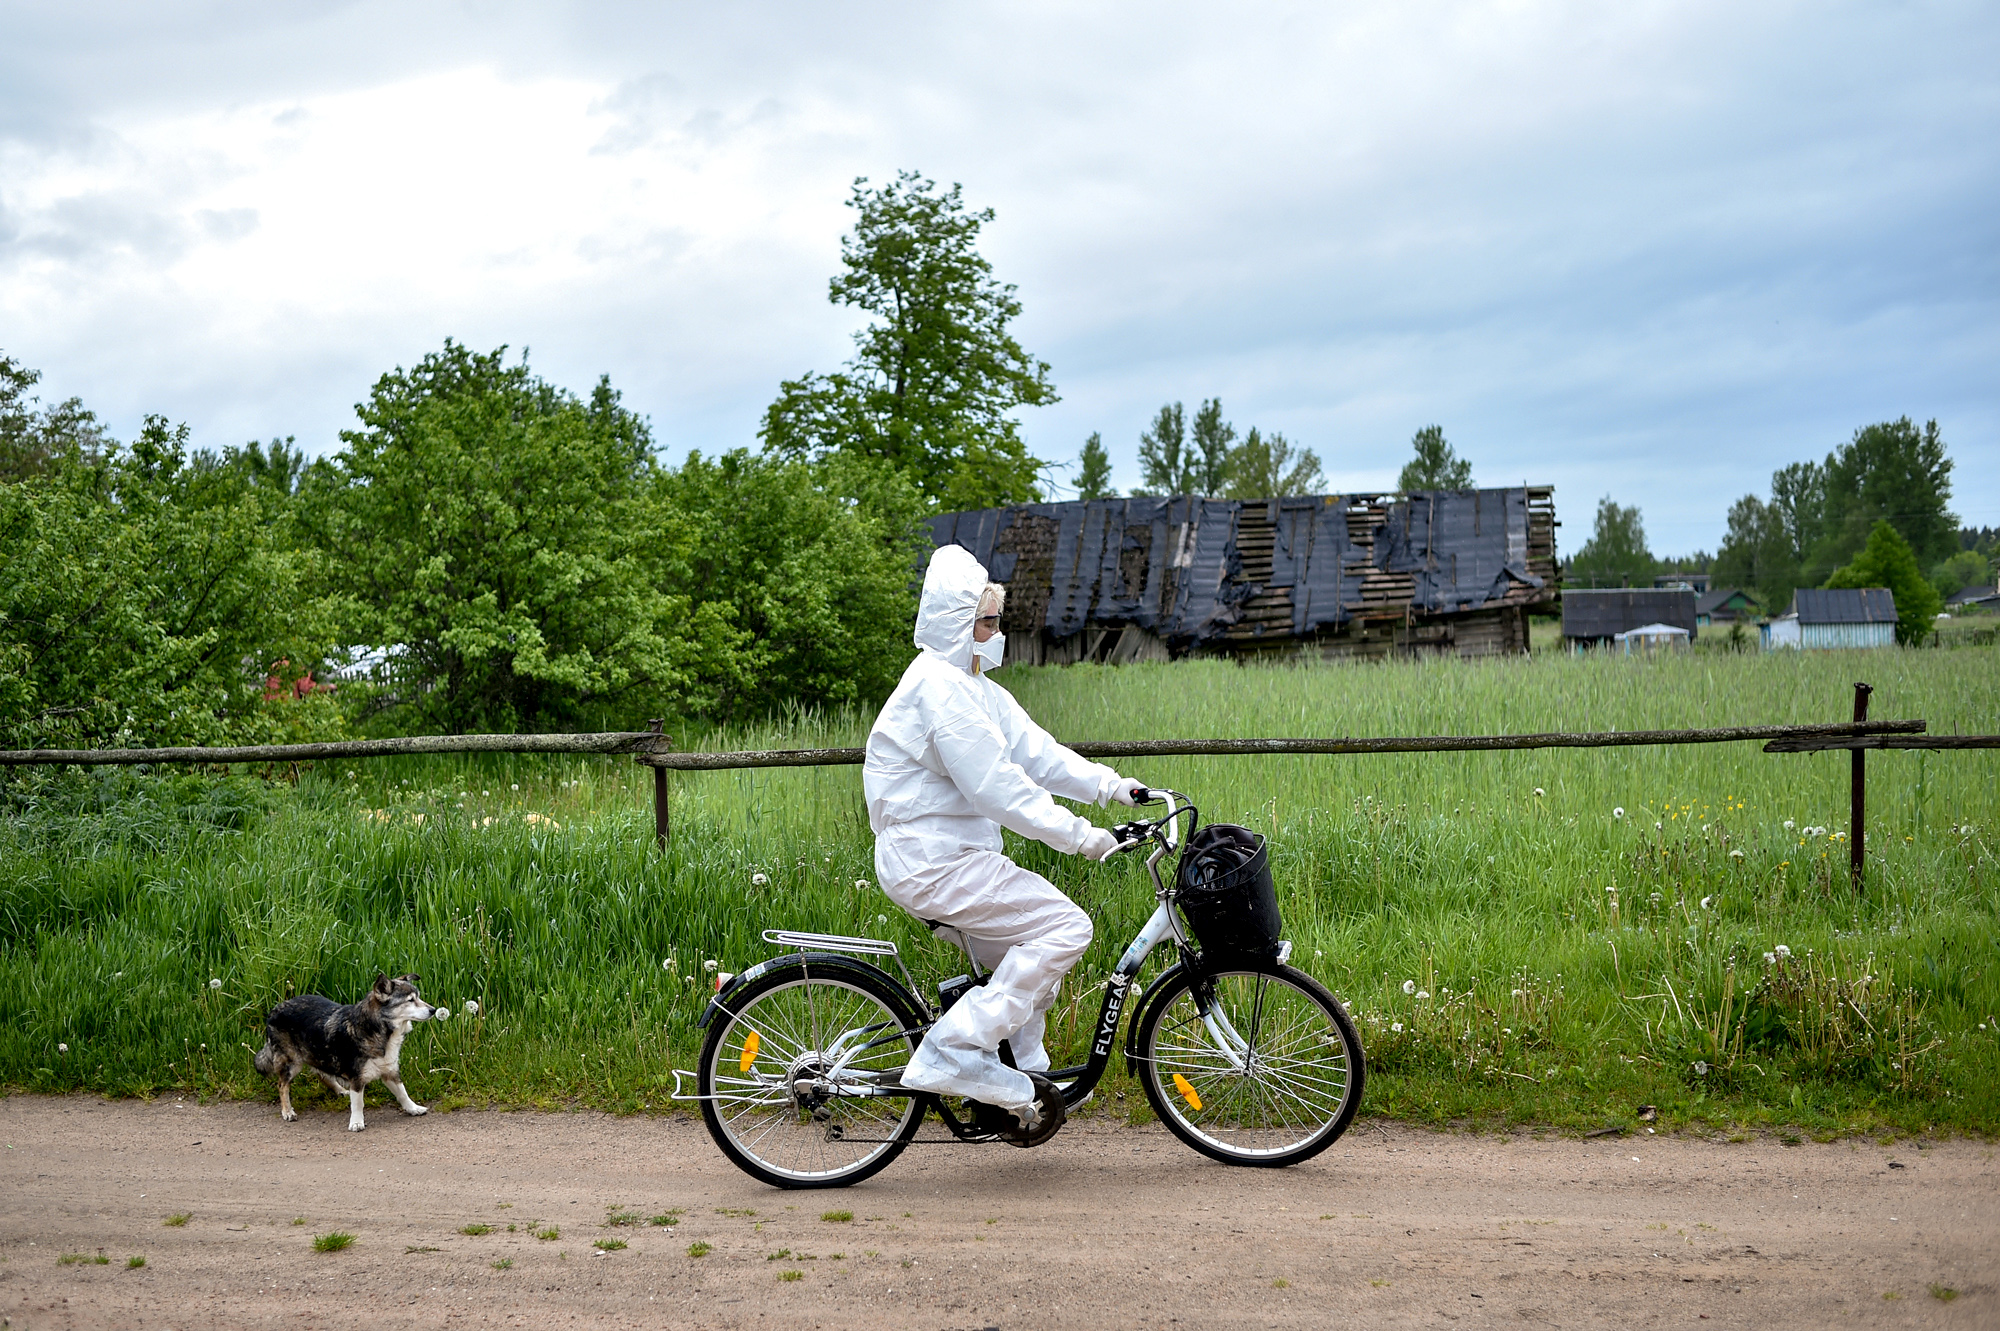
(975, 1073)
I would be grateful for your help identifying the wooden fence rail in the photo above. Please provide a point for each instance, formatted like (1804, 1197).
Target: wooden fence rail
(654, 750)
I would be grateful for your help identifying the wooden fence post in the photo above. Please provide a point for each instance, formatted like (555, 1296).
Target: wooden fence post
(661, 827)
(1858, 791)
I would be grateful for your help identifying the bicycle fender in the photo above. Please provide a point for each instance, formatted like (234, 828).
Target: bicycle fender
(822, 963)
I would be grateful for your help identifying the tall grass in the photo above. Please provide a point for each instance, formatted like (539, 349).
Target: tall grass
(1575, 963)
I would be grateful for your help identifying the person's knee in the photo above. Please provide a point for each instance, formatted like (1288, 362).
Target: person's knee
(1070, 936)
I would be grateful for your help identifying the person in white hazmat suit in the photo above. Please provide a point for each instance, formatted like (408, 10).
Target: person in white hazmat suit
(951, 760)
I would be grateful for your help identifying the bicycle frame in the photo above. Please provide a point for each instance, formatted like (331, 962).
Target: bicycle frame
(1077, 1082)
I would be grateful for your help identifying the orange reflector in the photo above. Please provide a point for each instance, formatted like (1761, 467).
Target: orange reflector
(1187, 1092)
(750, 1043)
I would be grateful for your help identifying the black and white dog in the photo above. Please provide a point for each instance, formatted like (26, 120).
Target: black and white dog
(348, 1045)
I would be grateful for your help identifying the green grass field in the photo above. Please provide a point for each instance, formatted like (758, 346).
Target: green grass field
(1514, 949)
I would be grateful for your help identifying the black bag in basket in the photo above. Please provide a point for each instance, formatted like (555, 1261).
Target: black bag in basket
(1225, 890)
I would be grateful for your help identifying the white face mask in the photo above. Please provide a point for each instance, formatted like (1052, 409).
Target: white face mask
(988, 654)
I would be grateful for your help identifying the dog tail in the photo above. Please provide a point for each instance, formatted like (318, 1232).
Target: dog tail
(266, 1060)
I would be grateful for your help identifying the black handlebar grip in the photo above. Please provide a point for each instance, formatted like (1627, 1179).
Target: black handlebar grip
(1144, 796)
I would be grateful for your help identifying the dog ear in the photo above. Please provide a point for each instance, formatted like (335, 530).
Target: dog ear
(381, 983)
(411, 978)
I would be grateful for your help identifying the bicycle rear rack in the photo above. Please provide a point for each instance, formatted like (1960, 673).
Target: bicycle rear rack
(867, 947)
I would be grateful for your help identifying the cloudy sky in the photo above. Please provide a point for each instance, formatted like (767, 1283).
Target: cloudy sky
(1646, 250)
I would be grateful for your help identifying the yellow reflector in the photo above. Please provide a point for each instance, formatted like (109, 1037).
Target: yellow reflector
(750, 1043)
(1187, 1092)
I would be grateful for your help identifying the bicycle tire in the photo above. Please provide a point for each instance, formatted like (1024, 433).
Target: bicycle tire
(1303, 1085)
(800, 1014)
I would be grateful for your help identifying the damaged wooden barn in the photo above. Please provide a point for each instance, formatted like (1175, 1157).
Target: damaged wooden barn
(1137, 579)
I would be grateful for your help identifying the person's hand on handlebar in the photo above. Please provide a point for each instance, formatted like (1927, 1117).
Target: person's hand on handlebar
(1099, 844)
(1128, 791)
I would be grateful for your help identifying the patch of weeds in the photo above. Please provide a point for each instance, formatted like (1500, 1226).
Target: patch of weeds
(700, 1249)
(624, 1218)
(909, 1262)
(549, 1235)
(415, 1248)
(333, 1242)
(134, 1263)
(841, 1257)
(1942, 1293)
(1281, 1283)
(82, 1259)
(842, 1217)
(178, 1219)
(1379, 1284)
(779, 1254)
(1891, 1294)
(1326, 1217)
(510, 1229)
(504, 1264)
(789, 1276)
(475, 1230)
(298, 1220)
(739, 1212)
(672, 1217)
(871, 1253)
(609, 1245)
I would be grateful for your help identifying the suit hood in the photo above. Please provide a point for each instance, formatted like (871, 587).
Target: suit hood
(949, 603)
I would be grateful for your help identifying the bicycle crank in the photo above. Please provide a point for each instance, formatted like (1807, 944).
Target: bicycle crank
(1003, 1124)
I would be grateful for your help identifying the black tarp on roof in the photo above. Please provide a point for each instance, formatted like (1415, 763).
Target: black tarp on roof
(1604, 614)
(1174, 566)
(1462, 545)
(1844, 605)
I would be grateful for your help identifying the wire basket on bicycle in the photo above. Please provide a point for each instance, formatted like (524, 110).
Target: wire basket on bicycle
(1224, 889)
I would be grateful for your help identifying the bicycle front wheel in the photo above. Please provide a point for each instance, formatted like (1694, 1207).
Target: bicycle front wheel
(1270, 1076)
(786, 1081)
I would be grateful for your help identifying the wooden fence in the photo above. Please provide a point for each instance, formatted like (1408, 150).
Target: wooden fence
(655, 750)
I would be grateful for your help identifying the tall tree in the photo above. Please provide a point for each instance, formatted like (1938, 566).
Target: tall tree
(1435, 466)
(498, 533)
(33, 437)
(1269, 466)
(1165, 466)
(1886, 560)
(936, 374)
(1798, 497)
(1212, 438)
(1093, 480)
(1892, 471)
(1616, 554)
(1758, 554)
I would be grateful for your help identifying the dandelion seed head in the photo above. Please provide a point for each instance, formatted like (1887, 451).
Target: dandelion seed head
(1782, 950)
(1788, 824)
(471, 1007)
(667, 965)
(215, 984)
(1708, 903)
(861, 884)
(881, 919)
(517, 785)
(441, 1014)
(1700, 1069)
(64, 1049)
(758, 880)
(1618, 813)
(1409, 986)
(1539, 792)
(1396, 1026)
(1770, 959)
(1423, 993)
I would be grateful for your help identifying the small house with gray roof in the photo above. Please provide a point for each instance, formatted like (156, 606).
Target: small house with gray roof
(1829, 617)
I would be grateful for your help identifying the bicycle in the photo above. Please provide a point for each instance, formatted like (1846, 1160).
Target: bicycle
(1248, 1060)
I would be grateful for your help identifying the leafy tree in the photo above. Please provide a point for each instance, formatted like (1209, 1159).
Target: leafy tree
(501, 536)
(1165, 464)
(1210, 458)
(1888, 561)
(1616, 554)
(1268, 466)
(32, 437)
(1798, 497)
(1435, 466)
(803, 569)
(1093, 479)
(1891, 471)
(1967, 568)
(935, 376)
(152, 597)
(1759, 553)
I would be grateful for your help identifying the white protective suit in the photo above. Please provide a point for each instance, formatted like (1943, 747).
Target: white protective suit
(951, 760)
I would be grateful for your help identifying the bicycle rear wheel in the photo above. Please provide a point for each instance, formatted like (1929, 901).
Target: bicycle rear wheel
(786, 1081)
(1272, 1078)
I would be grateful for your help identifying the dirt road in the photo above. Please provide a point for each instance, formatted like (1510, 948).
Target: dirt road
(1105, 1227)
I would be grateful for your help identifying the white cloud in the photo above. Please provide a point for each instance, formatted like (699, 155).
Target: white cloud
(1654, 251)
